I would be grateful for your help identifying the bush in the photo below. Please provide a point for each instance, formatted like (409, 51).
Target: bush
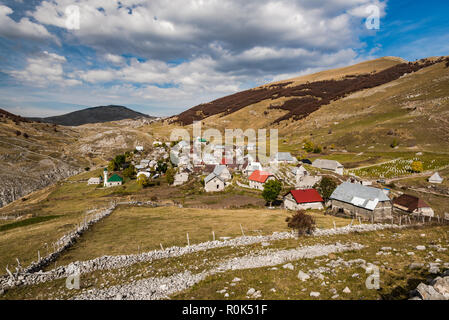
(170, 176)
(153, 198)
(301, 222)
(129, 172)
(394, 144)
(417, 166)
(142, 180)
(86, 169)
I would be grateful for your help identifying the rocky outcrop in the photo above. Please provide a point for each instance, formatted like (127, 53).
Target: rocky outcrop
(437, 289)
(21, 183)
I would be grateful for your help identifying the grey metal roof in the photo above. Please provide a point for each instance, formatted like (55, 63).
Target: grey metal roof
(436, 177)
(284, 156)
(219, 169)
(211, 176)
(359, 195)
(326, 164)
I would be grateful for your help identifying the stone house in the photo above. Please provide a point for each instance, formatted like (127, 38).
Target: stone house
(330, 165)
(283, 157)
(258, 179)
(181, 178)
(223, 172)
(214, 183)
(95, 181)
(355, 200)
(303, 200)
(414, 205)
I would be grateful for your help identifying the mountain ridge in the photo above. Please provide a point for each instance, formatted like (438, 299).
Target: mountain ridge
(92, 115)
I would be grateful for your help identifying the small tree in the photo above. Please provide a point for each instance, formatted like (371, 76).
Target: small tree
(142, 180)
(129, 172)
(317, 149)
(271, 191)
(162, 167)
(112, 166)
(394, 144)
(326, 187)
(170, 176)
(308, 146)
(302, 223)
(417, 166)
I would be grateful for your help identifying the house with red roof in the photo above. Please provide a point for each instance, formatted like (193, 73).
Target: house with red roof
(303, 200)
(414, 205)
(258, 179)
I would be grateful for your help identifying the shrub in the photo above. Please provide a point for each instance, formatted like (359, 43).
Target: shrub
(86, 169)
(129, 172)
(170, 176)
(417, 166)
(394, 144)
(142, 180)
(153, 198)
(301, 222)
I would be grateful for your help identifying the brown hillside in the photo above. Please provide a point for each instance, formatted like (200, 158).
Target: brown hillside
(306, 98)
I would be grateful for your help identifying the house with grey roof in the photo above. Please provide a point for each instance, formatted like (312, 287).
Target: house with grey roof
(283, 157)
(223, 172)
(214, 183)
(355, 200)
(330, 165)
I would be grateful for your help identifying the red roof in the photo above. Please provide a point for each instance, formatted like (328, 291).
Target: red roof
(306, 196)
(260, 176)
(410, 202)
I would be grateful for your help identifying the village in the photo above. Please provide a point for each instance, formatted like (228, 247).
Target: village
(284, 181)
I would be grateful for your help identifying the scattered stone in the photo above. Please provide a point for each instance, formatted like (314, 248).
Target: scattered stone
(251, 291)
(303, 276)
(288, 266)
(236, 279)
(421, 248)
(314, 294)
(336, 296)
(346, 290)
(415, 265)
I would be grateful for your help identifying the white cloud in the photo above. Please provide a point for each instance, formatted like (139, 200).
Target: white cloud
(22, 29)
(44, 70)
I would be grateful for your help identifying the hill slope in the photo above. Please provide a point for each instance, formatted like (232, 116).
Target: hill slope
(94, 115)
(301, 98)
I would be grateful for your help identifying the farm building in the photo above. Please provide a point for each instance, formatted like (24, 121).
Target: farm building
(283, 157)
(413, 205)
(95, 181)
(307, 182)
(436, 178)
(303, 200)
(181, 178)
(356, 200)
(258, 179)
(251, 167)
(223, 172)
(214, 183)
(330, 165)
(113, 181)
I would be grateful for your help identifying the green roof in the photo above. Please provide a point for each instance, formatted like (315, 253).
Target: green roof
(115, 178)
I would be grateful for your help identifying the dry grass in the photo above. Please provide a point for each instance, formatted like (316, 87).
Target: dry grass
(131, 228)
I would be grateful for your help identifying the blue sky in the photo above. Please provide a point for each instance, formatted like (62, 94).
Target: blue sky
(161, 57)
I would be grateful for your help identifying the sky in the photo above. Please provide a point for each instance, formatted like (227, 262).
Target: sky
(162, 57)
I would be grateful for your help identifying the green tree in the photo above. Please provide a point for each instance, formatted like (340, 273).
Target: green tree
(112, 166)
(130, 172)
(271, 191)
(170, 176)
(120, 160)
(326, 187)
(161, 167)
(417, 166)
